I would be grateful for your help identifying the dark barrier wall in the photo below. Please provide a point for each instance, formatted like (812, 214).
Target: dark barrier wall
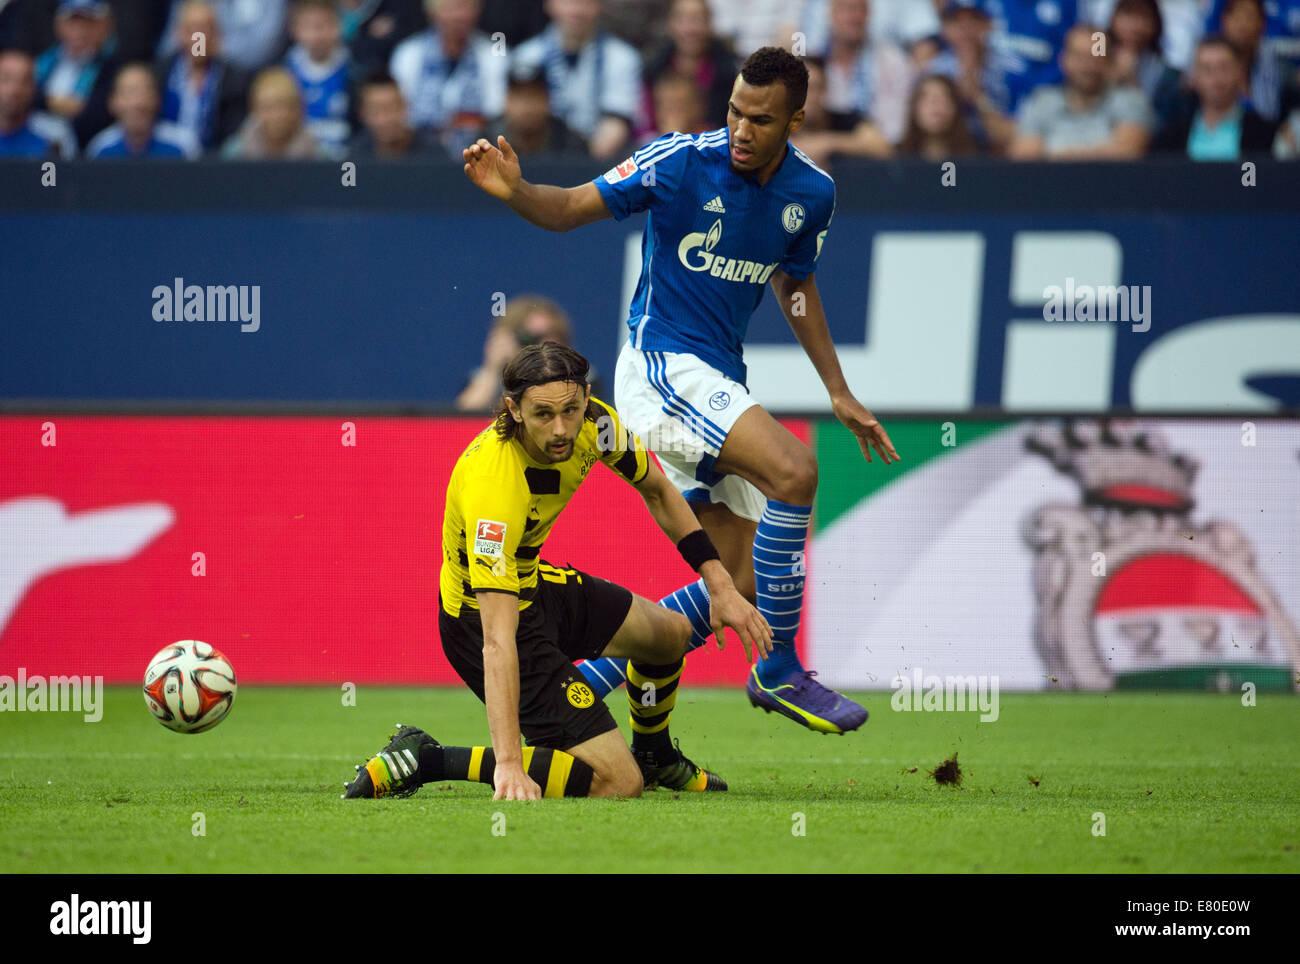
(382, 292)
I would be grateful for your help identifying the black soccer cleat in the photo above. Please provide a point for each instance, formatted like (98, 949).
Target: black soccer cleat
(394, 771)
(678, 773)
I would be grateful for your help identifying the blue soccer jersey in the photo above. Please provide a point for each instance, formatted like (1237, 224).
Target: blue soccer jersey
(712, 240)
(325, 93)
(1027, 39)
(1281, 27)
(24, 142)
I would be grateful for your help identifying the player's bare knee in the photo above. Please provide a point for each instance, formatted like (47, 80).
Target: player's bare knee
(630, 778)
(678, 639)
(672, 635)
(620, 780)
(631, 784)
(797, 481)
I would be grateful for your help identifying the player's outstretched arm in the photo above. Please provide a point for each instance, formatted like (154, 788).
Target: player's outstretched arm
(496, 171)
(500, 613)
(727, 607)
(801, 304)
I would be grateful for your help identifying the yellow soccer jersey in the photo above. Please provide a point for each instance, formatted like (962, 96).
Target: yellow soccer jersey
(501, 504)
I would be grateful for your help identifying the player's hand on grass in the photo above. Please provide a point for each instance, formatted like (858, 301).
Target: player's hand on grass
(870, 433)
(512, 783)
(729, 609)
(494, 169)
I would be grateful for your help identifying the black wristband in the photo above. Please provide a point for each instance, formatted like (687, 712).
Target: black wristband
(697, 549)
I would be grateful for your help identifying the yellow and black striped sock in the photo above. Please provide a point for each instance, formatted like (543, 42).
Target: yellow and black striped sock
(559, 774)
(651, 696)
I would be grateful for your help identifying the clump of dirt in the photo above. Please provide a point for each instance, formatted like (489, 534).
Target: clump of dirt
(947, 772)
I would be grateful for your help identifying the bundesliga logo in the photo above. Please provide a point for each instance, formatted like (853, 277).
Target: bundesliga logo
(621, 172)
(490, 538)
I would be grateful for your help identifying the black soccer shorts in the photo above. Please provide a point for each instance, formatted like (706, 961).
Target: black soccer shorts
(574, 617)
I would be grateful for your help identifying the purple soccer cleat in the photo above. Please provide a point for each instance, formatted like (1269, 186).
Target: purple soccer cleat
(806, 701)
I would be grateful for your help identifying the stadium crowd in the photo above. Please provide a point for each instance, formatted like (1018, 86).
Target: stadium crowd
(935, 79)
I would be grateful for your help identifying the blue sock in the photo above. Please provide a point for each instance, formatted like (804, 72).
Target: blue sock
(779, 577)
(604, 675)
(692, 601)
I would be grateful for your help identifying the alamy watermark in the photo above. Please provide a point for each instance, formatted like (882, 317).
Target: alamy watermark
(57, 694)
(181, 302)
(685, 436)
(951, 694)
(1124, 304)
(77, 917)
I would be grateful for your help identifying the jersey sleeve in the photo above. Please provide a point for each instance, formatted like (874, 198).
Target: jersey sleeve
(647, 179)
(494, 524)
(802, 254)
(619, 447)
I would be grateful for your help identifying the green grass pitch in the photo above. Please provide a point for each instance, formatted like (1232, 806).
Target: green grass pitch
(1187, 783)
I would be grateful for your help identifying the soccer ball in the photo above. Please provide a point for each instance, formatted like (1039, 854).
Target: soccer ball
(189, 686)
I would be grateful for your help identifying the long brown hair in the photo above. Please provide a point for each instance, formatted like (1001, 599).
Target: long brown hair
(959, 138)
(538, 364)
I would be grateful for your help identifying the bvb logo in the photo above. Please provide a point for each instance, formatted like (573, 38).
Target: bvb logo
(580, 695)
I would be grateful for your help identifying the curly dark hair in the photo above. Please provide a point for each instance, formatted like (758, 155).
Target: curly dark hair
(767, 65)
(538, 364)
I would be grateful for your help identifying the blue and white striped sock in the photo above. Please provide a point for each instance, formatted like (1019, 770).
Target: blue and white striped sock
(692, 601)
(779, 577)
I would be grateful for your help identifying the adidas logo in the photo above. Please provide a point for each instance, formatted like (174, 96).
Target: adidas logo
(715, 206)
(399, 767)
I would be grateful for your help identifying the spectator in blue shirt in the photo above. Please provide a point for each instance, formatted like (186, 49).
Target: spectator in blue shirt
(322, 66)
(138, 133)
(1028, 39)
(23, 133)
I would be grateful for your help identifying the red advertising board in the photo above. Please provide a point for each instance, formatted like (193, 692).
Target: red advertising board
(302, 557)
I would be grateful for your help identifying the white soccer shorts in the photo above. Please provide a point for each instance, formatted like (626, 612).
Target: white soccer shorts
(682, 409)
